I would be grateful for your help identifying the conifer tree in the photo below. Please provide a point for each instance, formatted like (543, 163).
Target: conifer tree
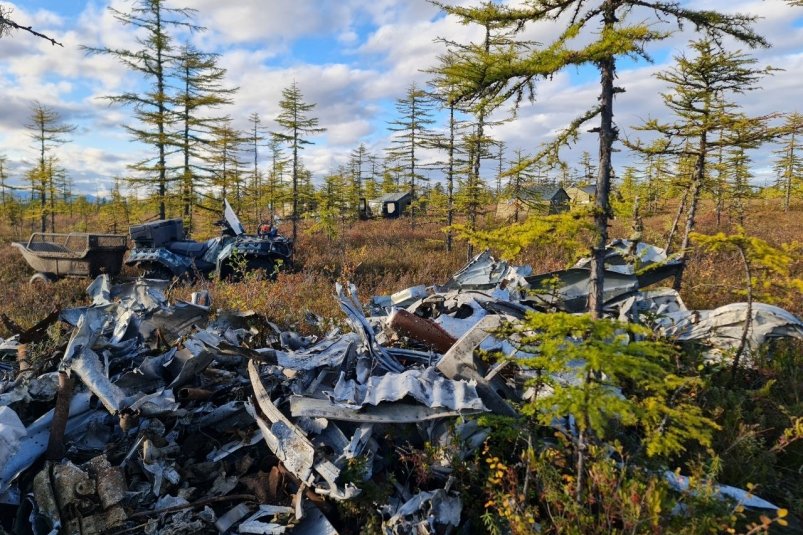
(507, 72)
(334, 203)
(519, 177)
(256, 139)
(447, 142)
(500, 160)
(588, 171)
(789, 163)
(738, 163)
(411, 134)
(358, 164)
(699, 86)
(200, 90)
(296, 125)
(225, 163)
(152, 20)
(276, 189)
(4, 188)
(47, 131)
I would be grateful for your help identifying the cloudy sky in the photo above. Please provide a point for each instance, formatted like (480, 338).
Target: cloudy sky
(351, 57)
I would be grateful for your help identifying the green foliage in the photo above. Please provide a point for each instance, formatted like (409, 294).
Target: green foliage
(296, 125)
(601, 371)
(564, 229)
(152, 59)
(769, 266)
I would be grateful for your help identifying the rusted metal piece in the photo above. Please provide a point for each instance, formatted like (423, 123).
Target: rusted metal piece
(194, 394)
(38, 332)
(421, 330)
(22, 358)
(55, 444)
(35, 333)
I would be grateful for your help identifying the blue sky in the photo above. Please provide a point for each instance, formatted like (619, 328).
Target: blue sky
(351, 57)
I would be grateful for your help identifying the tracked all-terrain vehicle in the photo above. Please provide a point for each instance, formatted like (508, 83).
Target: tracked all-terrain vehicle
(161, 250)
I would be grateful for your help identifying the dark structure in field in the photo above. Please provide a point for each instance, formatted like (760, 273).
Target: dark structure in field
(391, 205)
(540, 199)
(582, 195)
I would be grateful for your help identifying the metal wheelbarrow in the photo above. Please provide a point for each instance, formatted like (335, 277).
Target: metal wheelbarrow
(77, 254)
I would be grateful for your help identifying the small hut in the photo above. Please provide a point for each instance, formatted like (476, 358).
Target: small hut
(391, 205)
(540, 199)
(581, 195)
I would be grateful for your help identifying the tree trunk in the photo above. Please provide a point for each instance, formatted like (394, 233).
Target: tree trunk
(295, 183)
(673, 230)
(43, 181)
(160, 96)
(413, 118)
(450, 181)
(790, 173)
(696, 187)
(187, 182)
(748, 320)
(607, 135)
(720, 183)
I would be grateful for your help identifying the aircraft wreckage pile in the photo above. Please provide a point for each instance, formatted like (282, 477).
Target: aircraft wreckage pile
(168, 418)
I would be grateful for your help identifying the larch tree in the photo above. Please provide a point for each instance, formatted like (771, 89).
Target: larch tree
(588, 170)
(498, 38)
(371, 185)
(358, 165)
(596, 33)
(296, 125)
(225, 162)
(4, 187)
(411, 134)
(256, 139)
(47, 131)
(200, 90)
(276, 186)
(519, 177)
(789, 161)
(699, 87)
(154, 61)
(500, 161)
(447, 142)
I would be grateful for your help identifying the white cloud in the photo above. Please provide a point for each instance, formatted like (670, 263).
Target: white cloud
(382, 46)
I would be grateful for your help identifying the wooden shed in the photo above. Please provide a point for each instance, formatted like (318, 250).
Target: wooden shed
(541, 200)
(391, 205)
(581, 195)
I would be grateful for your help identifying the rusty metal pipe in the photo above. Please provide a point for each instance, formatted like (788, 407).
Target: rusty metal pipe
(422, 330)
(55, 444)
(194, 394)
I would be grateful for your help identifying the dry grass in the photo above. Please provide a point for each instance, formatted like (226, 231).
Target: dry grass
(382, 257)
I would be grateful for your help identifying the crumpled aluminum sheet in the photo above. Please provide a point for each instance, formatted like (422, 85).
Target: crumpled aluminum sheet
(436, 508)
(482, 272)
(11, 433)
(742, 497)
(425, 386)
(34, 443)
(329, 352)
(351, 306)
(654, 303)
(572, 290)
(722, 327)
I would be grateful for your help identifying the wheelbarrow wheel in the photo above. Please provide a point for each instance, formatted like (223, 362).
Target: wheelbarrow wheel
(42, 278)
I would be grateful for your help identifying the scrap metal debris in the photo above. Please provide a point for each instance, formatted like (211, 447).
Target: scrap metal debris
(187, 420)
